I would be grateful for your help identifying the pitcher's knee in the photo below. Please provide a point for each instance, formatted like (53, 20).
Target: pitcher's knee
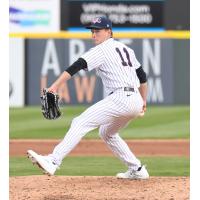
(77, 123)
(82, 125)
(74, 121)
(102, 133)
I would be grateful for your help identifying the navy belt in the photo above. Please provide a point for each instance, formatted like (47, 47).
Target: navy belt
(129, 89)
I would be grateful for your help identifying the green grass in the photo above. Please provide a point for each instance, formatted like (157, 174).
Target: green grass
(159, 122)
(104, 166)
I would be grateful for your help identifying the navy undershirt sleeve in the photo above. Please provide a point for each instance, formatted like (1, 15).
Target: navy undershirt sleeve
(141, 75)
(76, 66)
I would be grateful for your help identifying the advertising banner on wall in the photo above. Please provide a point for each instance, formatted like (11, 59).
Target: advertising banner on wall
(48, 58)
(125, 14)
(16, 72)
(34, 16)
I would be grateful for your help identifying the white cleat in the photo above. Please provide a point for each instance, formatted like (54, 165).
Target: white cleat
(141, 173)
(44, 162)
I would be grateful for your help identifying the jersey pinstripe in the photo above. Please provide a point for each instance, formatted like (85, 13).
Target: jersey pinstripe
(115, 63)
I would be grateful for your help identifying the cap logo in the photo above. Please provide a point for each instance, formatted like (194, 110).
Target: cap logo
(96, 20)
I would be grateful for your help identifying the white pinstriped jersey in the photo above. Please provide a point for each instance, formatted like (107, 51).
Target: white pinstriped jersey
(115, 63)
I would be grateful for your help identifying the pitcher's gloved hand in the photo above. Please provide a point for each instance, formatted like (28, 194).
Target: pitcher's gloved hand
(50, 107)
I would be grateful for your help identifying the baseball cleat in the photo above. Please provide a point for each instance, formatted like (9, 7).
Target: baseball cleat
(43, 162)
(141, 173)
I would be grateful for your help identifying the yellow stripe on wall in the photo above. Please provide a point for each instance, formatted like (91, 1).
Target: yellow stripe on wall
(87, 35)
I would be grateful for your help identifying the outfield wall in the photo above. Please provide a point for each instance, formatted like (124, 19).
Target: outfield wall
(16, 72)
(166, 62)
(52, 36)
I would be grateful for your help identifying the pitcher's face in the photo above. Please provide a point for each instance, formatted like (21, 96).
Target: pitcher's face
(100, 35)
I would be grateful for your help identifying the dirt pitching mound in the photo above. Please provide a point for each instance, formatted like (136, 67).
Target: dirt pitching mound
(97, 188)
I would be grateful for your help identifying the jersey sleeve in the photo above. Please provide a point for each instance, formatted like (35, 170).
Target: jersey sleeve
(94, 58)
(135, 61)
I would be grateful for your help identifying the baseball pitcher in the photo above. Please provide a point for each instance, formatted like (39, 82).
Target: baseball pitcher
(125, 83)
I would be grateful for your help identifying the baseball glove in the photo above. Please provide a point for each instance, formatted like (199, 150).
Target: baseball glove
(50, 107)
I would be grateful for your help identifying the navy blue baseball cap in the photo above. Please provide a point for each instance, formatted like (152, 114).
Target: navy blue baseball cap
(100, 23)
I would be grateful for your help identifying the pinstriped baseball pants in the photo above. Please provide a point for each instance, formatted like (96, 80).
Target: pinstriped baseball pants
(109, 115)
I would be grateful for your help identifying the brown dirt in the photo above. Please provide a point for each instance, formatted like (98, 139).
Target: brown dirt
(98, 188)
(98, 148)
